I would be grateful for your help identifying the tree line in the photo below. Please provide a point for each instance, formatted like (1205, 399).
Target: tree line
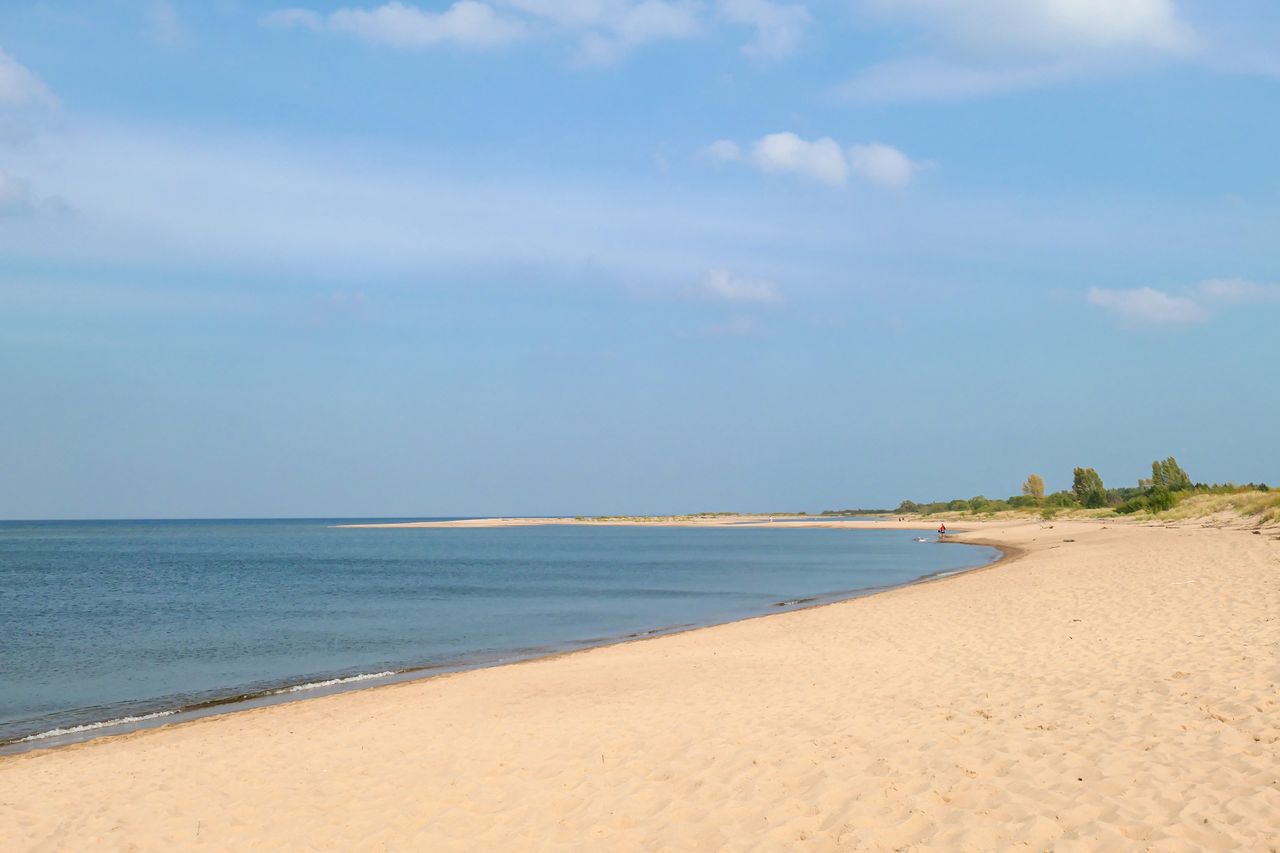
(1169, 484)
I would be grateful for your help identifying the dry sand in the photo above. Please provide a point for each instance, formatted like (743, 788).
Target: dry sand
(1112, 688)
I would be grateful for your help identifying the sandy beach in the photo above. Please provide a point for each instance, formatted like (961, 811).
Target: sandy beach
(1111, 686)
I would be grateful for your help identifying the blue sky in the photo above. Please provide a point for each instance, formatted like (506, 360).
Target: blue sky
(598, 256)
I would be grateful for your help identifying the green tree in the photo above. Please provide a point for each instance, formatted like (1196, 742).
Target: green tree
(1088, 488)
(1160, 500)
(1034, 487)
(1172, 476)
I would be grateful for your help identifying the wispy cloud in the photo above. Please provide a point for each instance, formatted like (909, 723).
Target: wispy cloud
(1148, 306)
(724, 286)
(177, 199)
(19, 86)
(884, 165)
(163, 24)
(15, 196)
(930, 79)
(737, 326)
(1195, 304)
(779, 27)
(822, 159)
(1051, 27)
(989, 47)
(1238, 291)
(615, 34)
(605, 30)
(466, 22)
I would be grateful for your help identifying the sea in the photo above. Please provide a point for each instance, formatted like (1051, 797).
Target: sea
(107, 626)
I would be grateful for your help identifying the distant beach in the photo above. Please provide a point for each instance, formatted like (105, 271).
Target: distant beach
(1112, 686)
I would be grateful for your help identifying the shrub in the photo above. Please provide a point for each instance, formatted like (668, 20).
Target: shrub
(1132, 505)
(1160, 499)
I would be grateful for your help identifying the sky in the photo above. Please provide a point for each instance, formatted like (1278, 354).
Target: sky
(497, 257)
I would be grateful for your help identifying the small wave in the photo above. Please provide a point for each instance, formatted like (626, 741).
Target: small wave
(142, 718)
(88, 727)
(314, 685)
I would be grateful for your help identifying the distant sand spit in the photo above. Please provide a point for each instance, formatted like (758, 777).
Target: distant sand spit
(886, 523)
(1114, 687)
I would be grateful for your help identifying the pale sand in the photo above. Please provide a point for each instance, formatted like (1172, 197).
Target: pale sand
(1115, 692)
(887, 522)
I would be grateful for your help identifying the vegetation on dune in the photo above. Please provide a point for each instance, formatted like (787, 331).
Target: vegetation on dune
(1087, 486)
(1170, 493)
(1034, 487)
(1253, 502)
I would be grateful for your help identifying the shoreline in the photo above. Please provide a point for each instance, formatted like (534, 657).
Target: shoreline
(1107, 687)
(734, 520)
(321, 685)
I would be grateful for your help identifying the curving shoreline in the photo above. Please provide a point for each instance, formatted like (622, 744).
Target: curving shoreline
(1112, 687)
(319, 685)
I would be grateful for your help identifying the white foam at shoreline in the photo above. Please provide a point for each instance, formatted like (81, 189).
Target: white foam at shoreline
(88, 727)
(313, 685)
(142, 718)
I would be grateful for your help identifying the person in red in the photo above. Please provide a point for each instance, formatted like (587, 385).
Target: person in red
(942, 530)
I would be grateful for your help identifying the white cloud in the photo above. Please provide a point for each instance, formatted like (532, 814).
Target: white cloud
(725, 150)
(883, 165)
(1045, 26)
(779, 27)
(19, 86)
(1147, 306)
(466, 22)
(288, 18)
(312, 208)
(1238, 291)
(724, 286)
(606, 30)
(822, 159)
(568, 13)
(988, 47)
(634, 24)
(925, 79)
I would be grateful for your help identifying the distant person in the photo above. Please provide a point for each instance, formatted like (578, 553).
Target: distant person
(942, 529)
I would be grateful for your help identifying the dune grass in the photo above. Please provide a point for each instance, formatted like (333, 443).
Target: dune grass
(1257, 507)
(1264, 507)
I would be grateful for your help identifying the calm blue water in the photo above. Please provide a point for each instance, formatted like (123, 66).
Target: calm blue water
(104, 620)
